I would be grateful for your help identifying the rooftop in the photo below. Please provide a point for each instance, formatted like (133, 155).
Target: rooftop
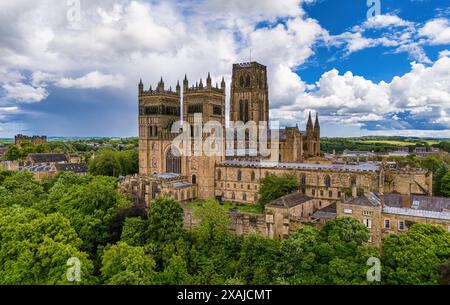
(290, 200)
(48, 158)
(76, 168)
(370, 200)
(365, 167)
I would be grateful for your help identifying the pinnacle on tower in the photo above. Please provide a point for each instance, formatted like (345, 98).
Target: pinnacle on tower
(316, 124)
(222, 85)
(208, 80)
(309, 125)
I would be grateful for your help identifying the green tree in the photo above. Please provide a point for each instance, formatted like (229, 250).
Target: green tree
(134, 231)
(123, 264)
(415, 258)
(34, 248)
(5, 174)
(90, 206)
(165, 220)
(445, 185)
(20, 188)
(215, 250)
(258, 259)
(105, 164)
(274, 187)
(176, 272)
(431, 163)
(437, 179)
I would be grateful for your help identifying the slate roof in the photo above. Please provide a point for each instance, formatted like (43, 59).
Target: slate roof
(290, 200)
(425, 203)
(76, 168)
(48, 158)
(367, 166)
(371, 200)
(326, 212)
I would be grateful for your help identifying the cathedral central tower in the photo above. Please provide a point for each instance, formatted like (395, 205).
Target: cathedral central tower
(249, 93)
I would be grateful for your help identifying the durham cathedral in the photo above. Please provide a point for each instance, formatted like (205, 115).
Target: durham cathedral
(234, 177)
(199, 175)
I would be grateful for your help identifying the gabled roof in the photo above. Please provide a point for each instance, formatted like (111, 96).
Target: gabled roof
(370, 200)
(290, 200)
(48, 158)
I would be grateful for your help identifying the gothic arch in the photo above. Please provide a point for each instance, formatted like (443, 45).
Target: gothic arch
(173, 162)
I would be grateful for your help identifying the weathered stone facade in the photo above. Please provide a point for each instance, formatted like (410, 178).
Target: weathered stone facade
(35, 140)
(390, 213)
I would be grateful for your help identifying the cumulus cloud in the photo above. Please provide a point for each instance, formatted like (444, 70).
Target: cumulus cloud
(437, 31)
(421, 95)
(93, 80)
(23, 93)
(117, 42)
(383, 21)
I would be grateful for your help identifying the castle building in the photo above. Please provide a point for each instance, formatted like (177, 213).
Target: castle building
(35, 140)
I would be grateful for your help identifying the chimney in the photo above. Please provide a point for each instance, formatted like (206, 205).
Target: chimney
(406, 201)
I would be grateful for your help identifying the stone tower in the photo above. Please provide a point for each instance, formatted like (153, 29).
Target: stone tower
(158, 110)
(249, 93)
(317, 135)
(209, 101)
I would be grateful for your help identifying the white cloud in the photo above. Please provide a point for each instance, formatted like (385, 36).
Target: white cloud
(383, 21)
(437, 31)
(93, 80)
(23, 93)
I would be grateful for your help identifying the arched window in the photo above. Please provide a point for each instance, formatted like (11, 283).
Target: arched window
(253, 176)
(246, 114)
(182, 195)
(219, 174)
(353, 181)
(330, 194)
(233, 196)
(244, 197)
(247, 81)
(303, 179)
(313, 192)
(194, 179)
(241, 81)
(173, 163)
(239, 175)
(156, 130)
(241, 110)
(327, 181)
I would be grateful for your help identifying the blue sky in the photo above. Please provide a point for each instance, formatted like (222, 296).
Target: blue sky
(61, 75)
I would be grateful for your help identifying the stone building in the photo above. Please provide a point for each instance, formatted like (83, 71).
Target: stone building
(233, 177)
(35, 140)
(160, 108)
(384, 214)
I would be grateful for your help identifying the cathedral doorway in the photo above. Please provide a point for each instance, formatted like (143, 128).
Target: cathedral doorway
(173, 163)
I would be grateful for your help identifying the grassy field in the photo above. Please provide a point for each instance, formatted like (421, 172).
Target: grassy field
(228, 205)
(398, 143)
